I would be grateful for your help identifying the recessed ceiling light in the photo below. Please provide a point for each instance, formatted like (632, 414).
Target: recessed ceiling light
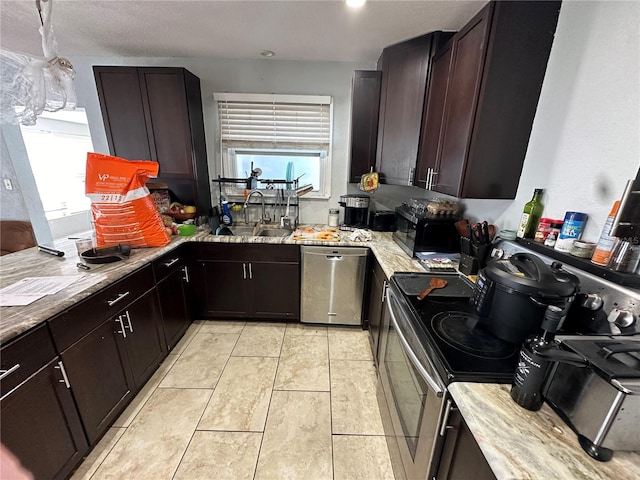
(267, 53)
(356, 3)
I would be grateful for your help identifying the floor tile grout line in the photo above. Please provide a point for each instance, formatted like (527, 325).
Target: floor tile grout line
(266, 418)
(106, 455)
(333, 460)
(206, 404)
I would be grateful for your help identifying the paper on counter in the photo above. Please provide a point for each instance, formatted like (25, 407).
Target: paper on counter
(30, 289)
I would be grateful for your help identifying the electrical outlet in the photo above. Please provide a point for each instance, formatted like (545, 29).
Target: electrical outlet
(7, 184)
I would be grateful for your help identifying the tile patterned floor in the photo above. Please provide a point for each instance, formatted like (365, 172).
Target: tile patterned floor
(238, 400)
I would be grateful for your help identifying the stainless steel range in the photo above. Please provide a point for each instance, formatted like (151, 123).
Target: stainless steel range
(425, 345)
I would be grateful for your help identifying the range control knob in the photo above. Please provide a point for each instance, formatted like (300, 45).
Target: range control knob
(591, 301)
(622, 318)
(497, 253)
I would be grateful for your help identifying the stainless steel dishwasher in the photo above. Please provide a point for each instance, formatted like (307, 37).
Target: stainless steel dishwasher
(333, 284)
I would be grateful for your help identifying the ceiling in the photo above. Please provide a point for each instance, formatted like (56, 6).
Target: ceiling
(325, 30)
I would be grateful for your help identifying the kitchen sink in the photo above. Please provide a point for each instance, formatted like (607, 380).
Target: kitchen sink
(259, 231)
(273, 232)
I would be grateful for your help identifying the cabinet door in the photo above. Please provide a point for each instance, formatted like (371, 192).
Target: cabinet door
(100, 377)
(469, 49)
(376, 304)
(175, 316)
(461, 456)
(428, 156)
(365, 109)
(404, 80)
(276, 289)
(144, 340)
(40, 425)
(123, 112)
(223, 288)
(167, 119)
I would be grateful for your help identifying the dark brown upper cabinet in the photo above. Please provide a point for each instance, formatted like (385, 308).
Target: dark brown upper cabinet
(406, 68)
(482, 99)
(155, 113)
(365, 107)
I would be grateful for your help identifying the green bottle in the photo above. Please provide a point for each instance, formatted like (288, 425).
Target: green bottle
(531, 215)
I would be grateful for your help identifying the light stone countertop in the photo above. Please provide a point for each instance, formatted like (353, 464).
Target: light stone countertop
(519, 444)
(33, 263)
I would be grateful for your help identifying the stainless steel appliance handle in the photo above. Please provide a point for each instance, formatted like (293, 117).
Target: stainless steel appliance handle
(407, 349)
(65, 379)
(120, 296)
(171, 262)
(447, 411)
(6, 373)
(334, 257)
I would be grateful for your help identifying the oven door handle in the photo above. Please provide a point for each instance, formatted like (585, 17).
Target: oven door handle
(407, 349)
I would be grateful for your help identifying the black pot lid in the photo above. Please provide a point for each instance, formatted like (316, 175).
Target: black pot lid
(528, 274)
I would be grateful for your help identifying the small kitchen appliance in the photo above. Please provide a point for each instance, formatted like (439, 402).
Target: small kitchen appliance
(382, 221)
(600, 402)
(356, 207)
(511, 295)
(418, 230)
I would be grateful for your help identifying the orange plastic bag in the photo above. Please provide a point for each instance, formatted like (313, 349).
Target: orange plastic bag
(122, 208)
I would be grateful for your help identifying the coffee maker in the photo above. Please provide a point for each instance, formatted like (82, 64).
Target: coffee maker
(356, 208)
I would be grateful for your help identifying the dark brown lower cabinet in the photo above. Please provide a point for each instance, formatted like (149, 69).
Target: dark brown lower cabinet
(377, 289)
(242, 281)
(39, 422)
(173, 304)
(40, 425)
(461, 457)
(107, 366)
(99, 373)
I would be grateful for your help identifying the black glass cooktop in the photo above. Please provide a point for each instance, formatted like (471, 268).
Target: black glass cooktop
(448, 324)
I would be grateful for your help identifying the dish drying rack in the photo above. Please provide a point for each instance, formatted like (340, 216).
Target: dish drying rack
(284, 196)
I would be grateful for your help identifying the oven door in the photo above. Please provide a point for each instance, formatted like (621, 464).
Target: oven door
(415, 395)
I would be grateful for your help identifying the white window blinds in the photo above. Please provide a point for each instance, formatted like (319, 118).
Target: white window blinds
(274, 121)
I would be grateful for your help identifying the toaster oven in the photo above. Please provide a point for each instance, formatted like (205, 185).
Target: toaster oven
(425, 232)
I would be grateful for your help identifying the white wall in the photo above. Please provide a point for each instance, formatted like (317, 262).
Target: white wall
(585, 141)
(245, 76)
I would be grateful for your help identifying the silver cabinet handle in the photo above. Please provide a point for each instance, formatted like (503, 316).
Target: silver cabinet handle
(123, 331)
(120, 296)
(428, 185)
(244, 271)
(126, 313)
(6, 373)
(171, 262)
(412, 172)
(432, 184)
(185, 270)
(384, 290)
(250, 273)
(65, 379)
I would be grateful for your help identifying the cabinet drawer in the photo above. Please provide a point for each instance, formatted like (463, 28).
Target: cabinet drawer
(168, 263)
(24, 356)
(245, 252)
(79, 320)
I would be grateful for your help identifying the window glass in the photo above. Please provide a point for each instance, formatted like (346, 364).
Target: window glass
(57, 147)
(287, 137)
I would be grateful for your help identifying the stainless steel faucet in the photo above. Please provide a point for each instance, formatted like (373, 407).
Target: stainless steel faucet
(264, 218)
